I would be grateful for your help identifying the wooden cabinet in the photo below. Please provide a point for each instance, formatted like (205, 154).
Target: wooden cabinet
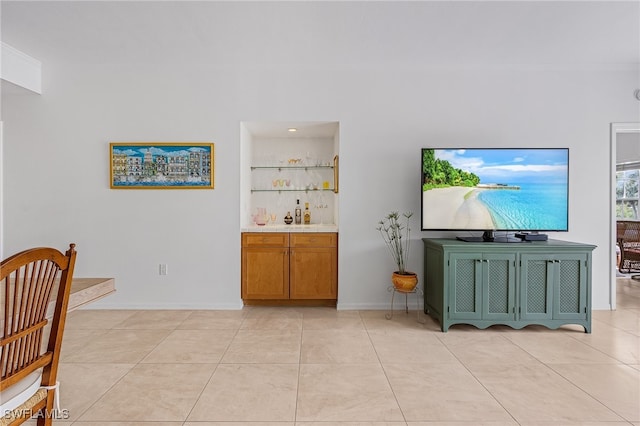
(265, 266)
(516, 284)
(289, 268)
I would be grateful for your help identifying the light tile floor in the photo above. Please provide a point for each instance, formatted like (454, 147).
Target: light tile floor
(322, 367)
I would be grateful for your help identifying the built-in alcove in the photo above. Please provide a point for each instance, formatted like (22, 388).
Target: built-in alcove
(282, 162)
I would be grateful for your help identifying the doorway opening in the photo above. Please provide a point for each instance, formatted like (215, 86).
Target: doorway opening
(625, 189)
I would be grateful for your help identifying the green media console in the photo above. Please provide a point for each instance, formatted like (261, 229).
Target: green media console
(516, 284)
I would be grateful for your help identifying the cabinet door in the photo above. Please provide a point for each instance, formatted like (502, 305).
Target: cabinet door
(465, 278)
(570, 295)
(498, 295)
(314, 273)
(536, 288)
(265, 273)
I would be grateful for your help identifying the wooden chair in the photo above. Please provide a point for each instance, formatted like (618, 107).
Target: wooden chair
(628, 238)
(28, 354)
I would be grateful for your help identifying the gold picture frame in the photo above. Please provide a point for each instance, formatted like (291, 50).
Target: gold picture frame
(161, 165)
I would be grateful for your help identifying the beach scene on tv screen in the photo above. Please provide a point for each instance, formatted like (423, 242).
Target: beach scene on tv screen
(495, 189)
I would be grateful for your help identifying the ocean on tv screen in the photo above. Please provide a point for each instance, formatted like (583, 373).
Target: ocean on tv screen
(534, 206)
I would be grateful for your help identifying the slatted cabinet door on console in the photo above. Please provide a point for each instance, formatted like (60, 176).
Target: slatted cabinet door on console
(516, 284)
(484, 285)
(555, 287)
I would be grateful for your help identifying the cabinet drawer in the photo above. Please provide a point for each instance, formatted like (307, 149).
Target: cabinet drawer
(314, 239)
(265, 239)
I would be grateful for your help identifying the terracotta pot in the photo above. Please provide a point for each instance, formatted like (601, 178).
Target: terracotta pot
(404, 282)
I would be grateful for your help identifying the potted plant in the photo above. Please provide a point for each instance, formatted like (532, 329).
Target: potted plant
(396, 234)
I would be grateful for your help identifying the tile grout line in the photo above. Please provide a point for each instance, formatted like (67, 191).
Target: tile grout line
(122, 377)
(551, 369)
(384, 371)
(466, 367)
(550, 366)
(214, 370)
(295, 410)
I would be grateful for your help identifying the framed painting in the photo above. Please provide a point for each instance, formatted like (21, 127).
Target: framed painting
(161, 165)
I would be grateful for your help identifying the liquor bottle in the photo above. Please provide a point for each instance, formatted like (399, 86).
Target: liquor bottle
(288, 219)
(307, 214)
(298, 213)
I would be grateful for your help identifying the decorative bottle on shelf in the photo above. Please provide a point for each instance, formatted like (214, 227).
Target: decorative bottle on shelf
(288, 219)
(307, 214)
(298, 213)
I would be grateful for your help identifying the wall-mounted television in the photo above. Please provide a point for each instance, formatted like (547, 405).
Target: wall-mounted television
(495, 189)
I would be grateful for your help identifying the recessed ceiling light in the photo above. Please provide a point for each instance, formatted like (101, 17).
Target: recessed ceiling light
(292, 129)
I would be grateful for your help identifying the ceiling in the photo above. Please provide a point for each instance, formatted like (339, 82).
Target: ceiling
(330, 34)
(303, 129)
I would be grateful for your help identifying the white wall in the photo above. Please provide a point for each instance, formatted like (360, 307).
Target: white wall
(56, 155)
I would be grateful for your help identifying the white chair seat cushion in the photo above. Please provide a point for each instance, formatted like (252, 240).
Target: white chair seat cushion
(14, 396)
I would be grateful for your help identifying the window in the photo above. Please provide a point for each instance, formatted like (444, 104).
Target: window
(627, 193)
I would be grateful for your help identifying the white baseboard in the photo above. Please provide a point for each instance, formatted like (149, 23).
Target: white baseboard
(166, 306)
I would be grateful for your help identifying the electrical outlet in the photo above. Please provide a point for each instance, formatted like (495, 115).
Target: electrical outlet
(163, 269)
